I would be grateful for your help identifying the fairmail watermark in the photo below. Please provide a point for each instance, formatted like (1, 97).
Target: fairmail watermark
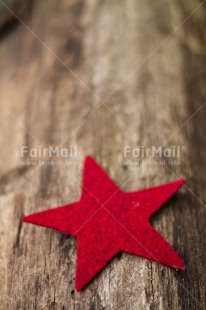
(51, 155)
(154, 155)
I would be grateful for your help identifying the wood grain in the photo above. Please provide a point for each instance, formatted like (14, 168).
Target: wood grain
(10, 11)
(102, 75)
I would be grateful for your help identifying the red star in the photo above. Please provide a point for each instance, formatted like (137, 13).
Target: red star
(106, 221)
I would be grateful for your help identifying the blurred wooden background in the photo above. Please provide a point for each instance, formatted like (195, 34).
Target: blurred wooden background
(101, 75)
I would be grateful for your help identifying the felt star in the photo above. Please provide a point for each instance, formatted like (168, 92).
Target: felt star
(107, 220)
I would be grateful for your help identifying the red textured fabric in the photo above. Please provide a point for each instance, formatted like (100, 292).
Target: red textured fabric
(106, 221)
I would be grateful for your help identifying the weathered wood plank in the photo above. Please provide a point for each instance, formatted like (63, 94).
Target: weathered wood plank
(147, 68)
(10, 11)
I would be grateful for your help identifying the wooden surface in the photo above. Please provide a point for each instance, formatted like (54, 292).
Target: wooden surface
(11, 10)
(101, 75)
